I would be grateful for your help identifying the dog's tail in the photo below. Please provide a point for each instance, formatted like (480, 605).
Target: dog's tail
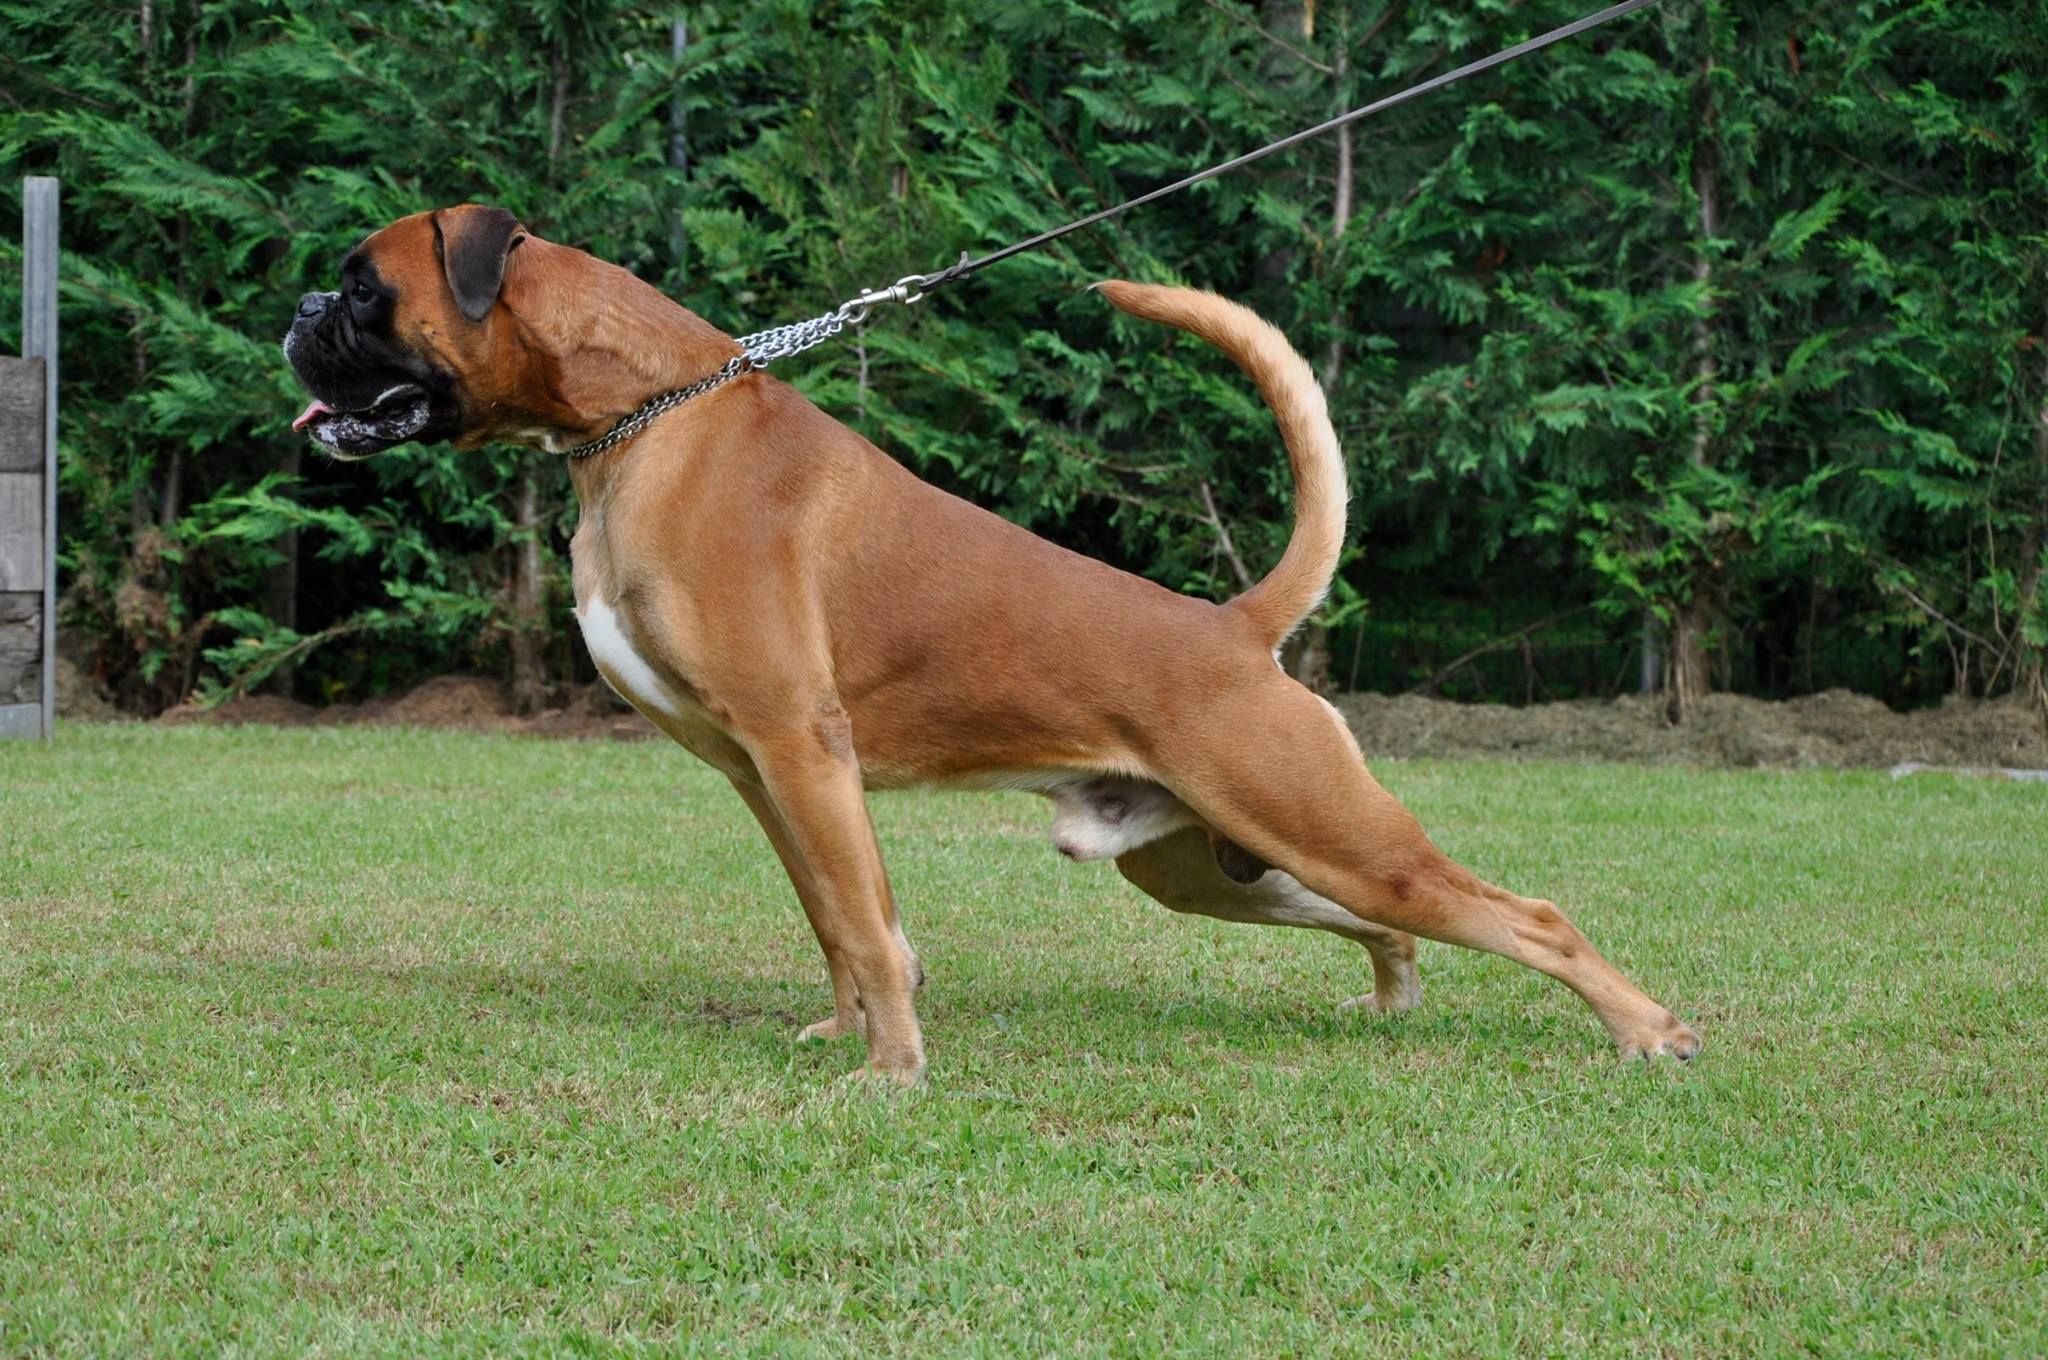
(1278, 604)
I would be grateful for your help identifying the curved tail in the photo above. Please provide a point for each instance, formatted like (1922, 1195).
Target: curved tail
(1276, 605)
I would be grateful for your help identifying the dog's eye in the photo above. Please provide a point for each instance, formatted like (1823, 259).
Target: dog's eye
(362, 293)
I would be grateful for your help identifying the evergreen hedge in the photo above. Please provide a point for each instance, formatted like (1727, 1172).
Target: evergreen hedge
(1718, 333)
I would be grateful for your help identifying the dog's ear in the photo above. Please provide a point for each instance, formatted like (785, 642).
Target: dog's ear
(473, 242)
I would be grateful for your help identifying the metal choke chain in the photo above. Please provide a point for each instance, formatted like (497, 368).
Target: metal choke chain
(762, 348)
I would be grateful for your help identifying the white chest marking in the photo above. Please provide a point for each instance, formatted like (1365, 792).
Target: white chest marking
(623, 668)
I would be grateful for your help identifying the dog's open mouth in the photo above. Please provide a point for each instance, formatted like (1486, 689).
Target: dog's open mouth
(395, 416)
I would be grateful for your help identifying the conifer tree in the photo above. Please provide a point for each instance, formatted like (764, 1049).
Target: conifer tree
(1727, 316)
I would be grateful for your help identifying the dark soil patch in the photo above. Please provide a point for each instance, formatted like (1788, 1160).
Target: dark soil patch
(1835, 729)
(1832, 730)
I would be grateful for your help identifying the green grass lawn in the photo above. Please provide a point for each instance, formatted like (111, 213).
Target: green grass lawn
(382, 1042)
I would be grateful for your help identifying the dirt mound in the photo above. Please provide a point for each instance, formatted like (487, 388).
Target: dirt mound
(269, 710)
(1835, 729)
(78, 698)
(464, 701)
(589, 711)
(472, 703)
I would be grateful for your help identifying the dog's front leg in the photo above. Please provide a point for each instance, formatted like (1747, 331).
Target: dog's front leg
(846, 1014)
(828, 844)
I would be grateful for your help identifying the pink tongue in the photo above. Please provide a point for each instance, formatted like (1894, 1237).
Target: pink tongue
(311, 414)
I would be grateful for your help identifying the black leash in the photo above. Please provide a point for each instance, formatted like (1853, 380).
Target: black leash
(927, 282)
(763, 348)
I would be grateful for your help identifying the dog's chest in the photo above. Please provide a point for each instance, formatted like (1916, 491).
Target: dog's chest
(622, 665)
(643, 684)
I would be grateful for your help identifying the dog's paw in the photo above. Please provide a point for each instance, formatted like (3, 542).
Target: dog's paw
(830, 1028)
(1395, 990)
(1669, 1038)
(1372, 1003)
(901, 1077)
(879, 1075)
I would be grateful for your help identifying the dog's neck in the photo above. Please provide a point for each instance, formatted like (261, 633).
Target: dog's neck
(605, 342)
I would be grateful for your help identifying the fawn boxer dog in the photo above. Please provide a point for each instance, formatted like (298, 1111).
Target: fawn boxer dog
(793, 606)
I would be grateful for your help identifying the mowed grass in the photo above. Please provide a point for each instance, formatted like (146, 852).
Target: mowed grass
(404, 1043)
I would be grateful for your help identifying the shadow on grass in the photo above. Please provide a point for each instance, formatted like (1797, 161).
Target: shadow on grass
(764, 1014)
(1221, 1016)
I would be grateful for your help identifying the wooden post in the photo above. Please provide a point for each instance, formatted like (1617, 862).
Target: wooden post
(28, 484)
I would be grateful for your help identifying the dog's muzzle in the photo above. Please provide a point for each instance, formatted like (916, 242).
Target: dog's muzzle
(364, 401)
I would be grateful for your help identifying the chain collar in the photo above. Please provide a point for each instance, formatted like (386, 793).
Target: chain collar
(654, 409)
(759, 350)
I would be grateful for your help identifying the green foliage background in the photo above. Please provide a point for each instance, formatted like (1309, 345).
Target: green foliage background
(1722, 328)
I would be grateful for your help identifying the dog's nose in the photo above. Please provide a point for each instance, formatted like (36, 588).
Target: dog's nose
(312, 304)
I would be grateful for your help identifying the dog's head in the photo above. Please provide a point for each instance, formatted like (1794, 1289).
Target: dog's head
(412, 345)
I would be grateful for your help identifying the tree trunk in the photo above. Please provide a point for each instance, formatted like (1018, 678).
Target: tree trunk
(140, 496)
(172, 503)
(558, 105)
(679, 143)
(1688, 680)
(527, 628)
(1704, 368)
(2033, 678)
(1311, 661)
(529, 679)
(1340, 218)
(1652, 675)
(1309, 650)
(281, 587)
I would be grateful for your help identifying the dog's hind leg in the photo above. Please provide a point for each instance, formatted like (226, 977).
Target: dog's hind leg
(1274, 769)
(1192, 870)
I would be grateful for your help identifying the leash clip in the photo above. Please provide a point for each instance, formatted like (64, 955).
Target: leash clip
(855, 311)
